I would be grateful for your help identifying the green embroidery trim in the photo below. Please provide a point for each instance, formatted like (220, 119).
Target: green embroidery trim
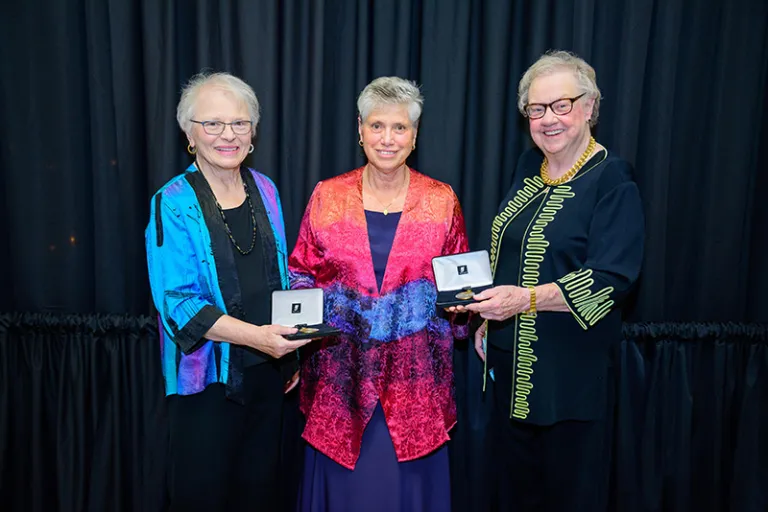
(536, 243)
(591, 307)
(521, 385)
(535, 248)
(575, 315)
(525, 331)
(531, 188)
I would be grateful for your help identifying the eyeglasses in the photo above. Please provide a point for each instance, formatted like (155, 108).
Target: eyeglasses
(560, 107)
(217, 127)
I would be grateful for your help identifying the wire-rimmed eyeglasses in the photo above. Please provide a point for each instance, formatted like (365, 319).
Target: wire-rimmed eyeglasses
(240, 127)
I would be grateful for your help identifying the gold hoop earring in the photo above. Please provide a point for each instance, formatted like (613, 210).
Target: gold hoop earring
(250, 150)
(191, 149)
(360, 142)
(414, 146)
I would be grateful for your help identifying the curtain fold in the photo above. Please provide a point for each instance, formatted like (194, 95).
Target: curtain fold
(83, 415)
(91, 100)
(89, 92)
(689, 425)
(83, 423)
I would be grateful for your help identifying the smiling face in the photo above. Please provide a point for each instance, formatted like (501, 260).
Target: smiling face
(561, 136)
(227, 150)
(388, 137)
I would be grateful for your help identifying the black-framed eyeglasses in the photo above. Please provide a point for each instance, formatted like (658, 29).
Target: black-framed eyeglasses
(560, 107)
(240, 127)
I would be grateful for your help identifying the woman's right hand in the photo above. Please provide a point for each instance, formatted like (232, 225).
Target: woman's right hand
(479, 335)
(269, 339)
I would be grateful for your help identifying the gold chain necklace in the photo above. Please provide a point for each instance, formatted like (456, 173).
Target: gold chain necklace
(386, 208)
(572, 171)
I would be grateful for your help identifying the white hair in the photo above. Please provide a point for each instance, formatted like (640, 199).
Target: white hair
(185, 110)
(558, 60)
(391, 90)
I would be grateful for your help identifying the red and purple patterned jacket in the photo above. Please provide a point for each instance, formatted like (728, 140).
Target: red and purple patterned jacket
(395, 346)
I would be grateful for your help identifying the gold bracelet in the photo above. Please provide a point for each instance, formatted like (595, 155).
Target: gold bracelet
(532, 310)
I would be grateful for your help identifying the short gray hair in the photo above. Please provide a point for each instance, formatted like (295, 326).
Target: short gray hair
(558, 60)
(185, 110)
(391, 90)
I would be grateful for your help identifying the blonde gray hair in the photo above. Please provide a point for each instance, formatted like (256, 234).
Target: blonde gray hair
(185, 110)
(558, 60)
(391, 90)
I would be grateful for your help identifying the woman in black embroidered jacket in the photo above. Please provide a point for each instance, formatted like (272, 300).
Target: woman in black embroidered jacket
(566, 246)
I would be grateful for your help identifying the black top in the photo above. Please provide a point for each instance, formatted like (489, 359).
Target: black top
(381, 235)
(254, 290)
(223, 254)
(586, 236)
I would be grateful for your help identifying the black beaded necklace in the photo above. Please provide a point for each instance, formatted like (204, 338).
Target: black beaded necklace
(253, 222)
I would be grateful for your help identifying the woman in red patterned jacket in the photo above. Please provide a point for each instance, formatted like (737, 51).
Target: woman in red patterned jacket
(379, 398)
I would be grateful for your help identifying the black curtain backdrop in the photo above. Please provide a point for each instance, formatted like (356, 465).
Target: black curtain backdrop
(90, 87)
(83, 423)
(88, 96)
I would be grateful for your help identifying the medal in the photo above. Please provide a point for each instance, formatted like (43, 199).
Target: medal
(466, 294)
(308, 330)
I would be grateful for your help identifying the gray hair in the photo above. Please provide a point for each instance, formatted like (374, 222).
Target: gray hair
(391, 90)
(185, 110)
(558, 60)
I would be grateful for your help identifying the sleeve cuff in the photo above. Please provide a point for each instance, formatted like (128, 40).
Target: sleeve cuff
(586, 305)
(191, 337)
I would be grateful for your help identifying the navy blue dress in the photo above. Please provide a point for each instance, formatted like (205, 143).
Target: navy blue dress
(379, 483)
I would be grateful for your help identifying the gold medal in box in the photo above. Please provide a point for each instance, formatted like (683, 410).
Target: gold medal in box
(308, 330)
(459, 278)
(465, 294)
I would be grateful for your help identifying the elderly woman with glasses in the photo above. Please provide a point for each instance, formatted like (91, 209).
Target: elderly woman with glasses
(378, 398)
(216, 250)
(566, 247)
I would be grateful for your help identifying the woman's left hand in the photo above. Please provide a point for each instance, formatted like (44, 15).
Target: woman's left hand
(291, 383)
(500, 302)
